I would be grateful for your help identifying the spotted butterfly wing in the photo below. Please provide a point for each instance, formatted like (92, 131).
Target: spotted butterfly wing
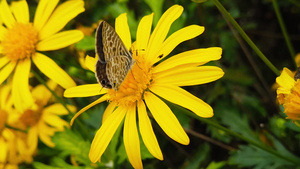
(114, 59)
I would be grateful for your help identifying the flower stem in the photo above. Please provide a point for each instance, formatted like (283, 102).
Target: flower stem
(39, 78)
(16, 129)
(284, 31)
(227, 16)
(237, 135)
(295, 2)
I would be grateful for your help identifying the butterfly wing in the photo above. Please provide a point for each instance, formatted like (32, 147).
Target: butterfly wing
(114, 59)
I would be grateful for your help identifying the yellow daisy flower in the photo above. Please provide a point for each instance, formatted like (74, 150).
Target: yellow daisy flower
(13, 144)
(20, 41)
(43, 121)
(146, 82)
(288, 93)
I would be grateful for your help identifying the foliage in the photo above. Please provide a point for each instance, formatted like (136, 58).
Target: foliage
(244, 100)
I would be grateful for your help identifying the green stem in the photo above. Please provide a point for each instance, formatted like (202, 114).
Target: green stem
(81, 126)
(237, 135)
(14, 128)
(295, 2)
(40, 79)
(245, 36)
(284, 31)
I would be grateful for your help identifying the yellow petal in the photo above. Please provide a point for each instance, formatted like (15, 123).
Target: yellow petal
(52, 70)
(4, 95)
(3, 150)
(55, 121)
(105, 134)
(183, 98)
(32, 139)
(161, 30)
(85, 90)
(175, 39)
(90, 63)
(6, 15)
(44, 134)
(196, 56)
(108, 111)
(61, 16)
(59, 109)
(166, 119)
(147, 133)
(20, 11)
(122, 29)
(187, 76)
(2, 33)
(143, 32)
(131, 139)
(6, 71)
(42, 94)
(101, 99)
(285, 81)
(20, 87)
(60, 40)
(43, 12)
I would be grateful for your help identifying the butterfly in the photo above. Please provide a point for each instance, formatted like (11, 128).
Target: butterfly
(114, 59)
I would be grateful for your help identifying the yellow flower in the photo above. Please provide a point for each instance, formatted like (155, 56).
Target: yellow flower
(288, 93)
(146, 82)
(20, 41)
(43, 121)
(13, 144)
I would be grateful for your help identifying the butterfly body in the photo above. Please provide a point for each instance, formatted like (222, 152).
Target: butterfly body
(114, 59)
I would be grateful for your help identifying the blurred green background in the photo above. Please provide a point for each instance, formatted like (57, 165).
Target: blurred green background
(244, 100)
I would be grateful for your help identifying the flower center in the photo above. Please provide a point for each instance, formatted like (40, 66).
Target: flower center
(19, 41)
(3, 118)
(292, 102)
(32, 116)
(136, 82)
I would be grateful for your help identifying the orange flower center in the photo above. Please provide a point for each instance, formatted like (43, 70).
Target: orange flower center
(31, 117)
(3, 118)
(292, 103)
(136, 82)
(19, 41)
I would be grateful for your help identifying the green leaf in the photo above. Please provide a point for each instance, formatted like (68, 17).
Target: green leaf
(38, 165)
(199, 1)
(216, 165)
(71, 143)
(156, 7)
(199, 157)
(87, 43)
(259, 159)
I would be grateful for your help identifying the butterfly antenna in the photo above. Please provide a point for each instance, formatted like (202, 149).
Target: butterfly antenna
(101, 89)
